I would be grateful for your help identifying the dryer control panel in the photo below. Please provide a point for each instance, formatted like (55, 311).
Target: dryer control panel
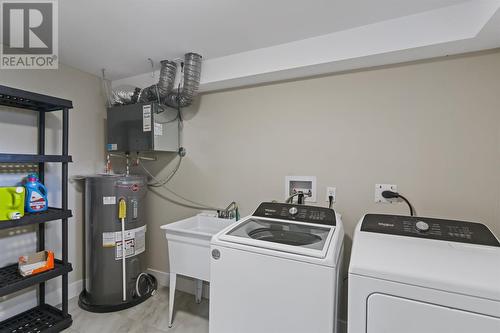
(293, 212)
(424, 227)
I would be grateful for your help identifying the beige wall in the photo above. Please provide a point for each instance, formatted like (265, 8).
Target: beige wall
(432, 124)
(432, 128)
(18, 134)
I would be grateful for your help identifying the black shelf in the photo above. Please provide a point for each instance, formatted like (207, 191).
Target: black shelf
(32, 101)
(33, 158)
(43, 318)
(50, 214)
(11, 281)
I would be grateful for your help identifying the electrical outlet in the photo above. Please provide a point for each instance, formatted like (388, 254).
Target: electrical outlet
(379, 188)
(331, 191)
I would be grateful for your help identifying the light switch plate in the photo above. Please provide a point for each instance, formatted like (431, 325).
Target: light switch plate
(379, 188)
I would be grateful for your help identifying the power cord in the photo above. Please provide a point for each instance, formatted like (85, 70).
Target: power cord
(392, 195)
(300, 198)
(330, 201)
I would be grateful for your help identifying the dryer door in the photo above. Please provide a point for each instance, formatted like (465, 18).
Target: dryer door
(390, 314)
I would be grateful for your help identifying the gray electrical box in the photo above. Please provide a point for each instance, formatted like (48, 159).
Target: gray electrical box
(142, 127)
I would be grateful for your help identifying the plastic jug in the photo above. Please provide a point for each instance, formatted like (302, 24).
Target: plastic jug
(11, 203)
(36, 195)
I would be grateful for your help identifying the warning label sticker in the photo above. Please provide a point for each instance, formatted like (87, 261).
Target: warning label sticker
(146, 118)
(109, 200)
(135, 242)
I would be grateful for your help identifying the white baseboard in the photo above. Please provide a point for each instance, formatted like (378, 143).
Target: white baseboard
(184, 283)
(20, 302)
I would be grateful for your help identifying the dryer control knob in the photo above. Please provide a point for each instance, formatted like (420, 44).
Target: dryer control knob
(293, 211)
(422, 226)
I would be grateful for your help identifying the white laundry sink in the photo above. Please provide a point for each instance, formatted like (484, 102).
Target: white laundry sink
(189, 250)
(200, 227)
(189, 244)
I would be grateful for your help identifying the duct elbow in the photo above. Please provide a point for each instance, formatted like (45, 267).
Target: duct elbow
(164, 91)
(191, 83)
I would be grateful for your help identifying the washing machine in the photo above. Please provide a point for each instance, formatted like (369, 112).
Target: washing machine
(415, 275)
(277, 271)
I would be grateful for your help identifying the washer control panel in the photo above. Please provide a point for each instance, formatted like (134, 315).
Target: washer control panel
(293, 212)
(424, 227)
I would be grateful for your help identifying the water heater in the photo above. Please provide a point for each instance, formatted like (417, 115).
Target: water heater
(104, 247)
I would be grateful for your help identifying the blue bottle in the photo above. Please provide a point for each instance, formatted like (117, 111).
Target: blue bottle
(36, 195)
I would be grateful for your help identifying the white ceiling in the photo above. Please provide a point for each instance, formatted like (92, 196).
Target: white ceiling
(120, 35)
(250, 42)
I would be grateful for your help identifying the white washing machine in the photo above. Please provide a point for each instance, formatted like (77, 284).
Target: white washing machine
(277, 271)
(423, 275)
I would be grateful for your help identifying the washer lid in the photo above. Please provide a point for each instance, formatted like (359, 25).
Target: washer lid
(282, 235)
(452, 265)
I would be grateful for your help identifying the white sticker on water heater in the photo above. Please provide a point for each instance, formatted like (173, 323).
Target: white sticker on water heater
(158, 129)
(135, 242)
(109, 200)
(146, 118)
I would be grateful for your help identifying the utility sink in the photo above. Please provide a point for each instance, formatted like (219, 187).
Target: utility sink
(200, 227)
(189, 251)
(189, 244)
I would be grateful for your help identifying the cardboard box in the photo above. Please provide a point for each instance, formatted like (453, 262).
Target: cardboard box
(36, 263)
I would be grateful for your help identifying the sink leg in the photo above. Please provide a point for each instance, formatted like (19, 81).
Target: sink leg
(198, 291)
(173, 280)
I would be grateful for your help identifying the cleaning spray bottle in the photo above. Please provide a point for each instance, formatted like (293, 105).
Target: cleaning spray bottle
(36, 195)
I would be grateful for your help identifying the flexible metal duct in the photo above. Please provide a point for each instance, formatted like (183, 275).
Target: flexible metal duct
(124, 95)
(192, 73)
(163, 91)
(167, 77)
(165, 83)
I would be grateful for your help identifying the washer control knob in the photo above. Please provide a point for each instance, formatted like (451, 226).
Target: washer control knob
(216, 254)
(422, 226)
(293, 211)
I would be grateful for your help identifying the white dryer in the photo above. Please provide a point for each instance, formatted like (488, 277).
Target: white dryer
(277, 271)
(423, 275)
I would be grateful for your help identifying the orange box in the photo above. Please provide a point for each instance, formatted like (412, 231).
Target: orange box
(36, 263)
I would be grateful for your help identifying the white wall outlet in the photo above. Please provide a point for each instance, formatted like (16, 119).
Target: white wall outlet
(305, 184)
(379, 188)
(331, 191)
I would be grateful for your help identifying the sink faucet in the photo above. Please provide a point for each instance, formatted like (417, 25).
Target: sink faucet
(231, 211)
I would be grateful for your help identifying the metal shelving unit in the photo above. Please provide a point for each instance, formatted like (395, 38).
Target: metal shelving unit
(24, 158)
(42, 318)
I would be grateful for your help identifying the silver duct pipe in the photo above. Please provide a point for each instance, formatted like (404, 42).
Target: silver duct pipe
(159, 91)
(167, 77)
(192, 73)
(164, 91)
(123, 95)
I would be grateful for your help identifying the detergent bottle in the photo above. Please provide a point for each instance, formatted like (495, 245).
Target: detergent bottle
(11, 203)
(36, 195)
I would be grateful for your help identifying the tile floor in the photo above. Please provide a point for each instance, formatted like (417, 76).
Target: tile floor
(148, 317)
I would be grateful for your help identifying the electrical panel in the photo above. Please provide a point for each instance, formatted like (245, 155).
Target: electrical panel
(149, 127)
